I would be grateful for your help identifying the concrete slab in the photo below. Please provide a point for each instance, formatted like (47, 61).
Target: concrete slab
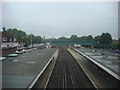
(107, 59)
(18, 72)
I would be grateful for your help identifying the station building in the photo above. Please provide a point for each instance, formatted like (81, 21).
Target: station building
(8, 43)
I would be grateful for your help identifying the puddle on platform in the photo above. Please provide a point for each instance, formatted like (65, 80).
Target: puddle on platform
(112, 57)
(15, 60)
(97, 57)
(23, 56)
(89, 54)
(31, 62)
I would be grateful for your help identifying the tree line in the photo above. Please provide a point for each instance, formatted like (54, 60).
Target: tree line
(104, 38)
(25, 38)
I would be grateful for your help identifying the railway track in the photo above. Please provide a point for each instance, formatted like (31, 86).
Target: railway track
(67, 73)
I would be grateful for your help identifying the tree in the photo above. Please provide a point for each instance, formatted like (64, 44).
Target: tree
(19, 34)
(97, 38)
(37, 39)
(106, 38)
(73, 37)
(83, 38)
(90, 38)
(62, 38)
(114, 44)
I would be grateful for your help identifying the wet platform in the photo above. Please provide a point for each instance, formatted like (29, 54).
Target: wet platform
(19, 72)
(107, 59)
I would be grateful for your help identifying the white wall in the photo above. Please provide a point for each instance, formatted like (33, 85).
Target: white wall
(12, 44)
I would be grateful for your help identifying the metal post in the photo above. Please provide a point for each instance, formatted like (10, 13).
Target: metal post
(44, 40)
(31, 42)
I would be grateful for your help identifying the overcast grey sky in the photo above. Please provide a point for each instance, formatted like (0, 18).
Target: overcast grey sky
(62, 19)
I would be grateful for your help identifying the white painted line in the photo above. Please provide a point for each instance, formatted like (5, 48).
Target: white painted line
(100, 65)
(65, 80)
(71, 77)
(35, 80)
(72, 80)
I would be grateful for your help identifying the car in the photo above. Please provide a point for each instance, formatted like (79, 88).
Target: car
(2, 58)
(23, 51)
(18, 52)
(77, 46)
(12, 55)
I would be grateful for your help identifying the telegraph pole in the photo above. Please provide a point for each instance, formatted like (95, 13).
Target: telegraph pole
(44, 40)
(31, 42)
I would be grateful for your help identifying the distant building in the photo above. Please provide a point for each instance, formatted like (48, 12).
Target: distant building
(8, 43)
